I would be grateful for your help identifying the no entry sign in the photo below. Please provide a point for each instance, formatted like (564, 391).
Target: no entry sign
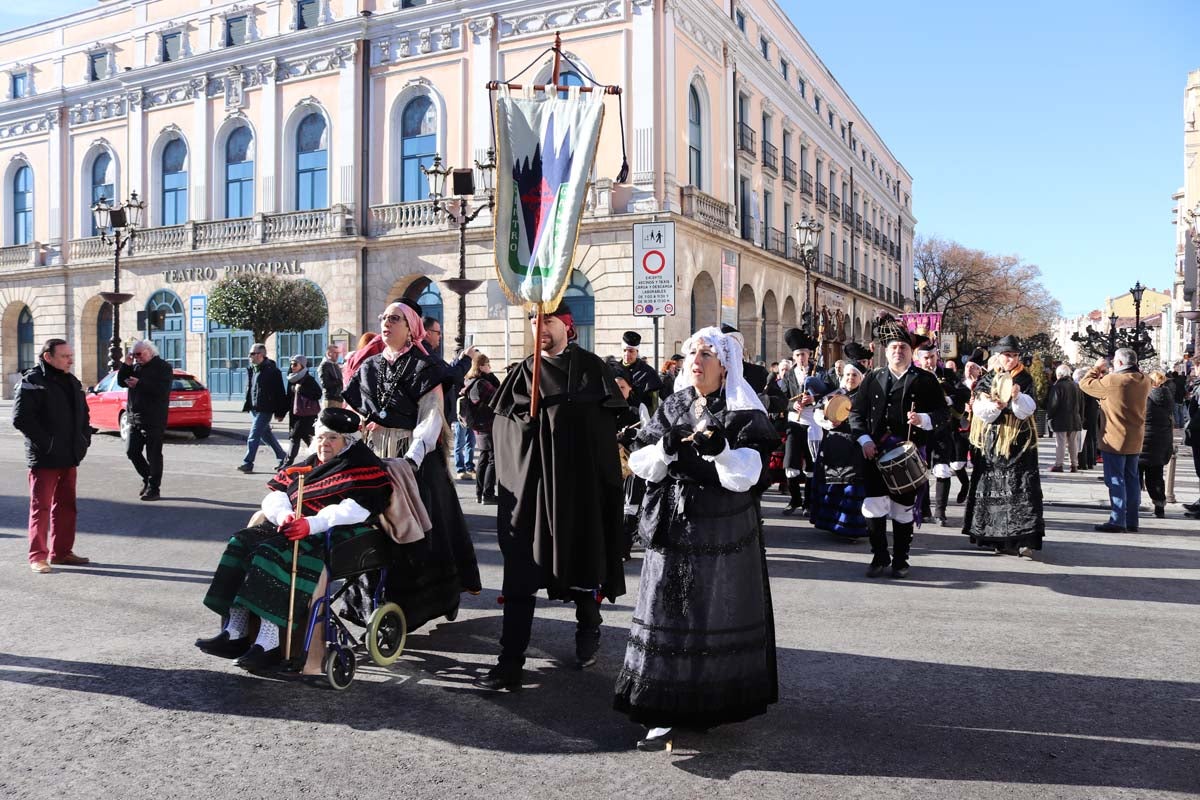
(654, 269)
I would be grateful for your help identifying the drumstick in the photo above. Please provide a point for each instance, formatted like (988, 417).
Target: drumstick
(913, 410)
(287, 641)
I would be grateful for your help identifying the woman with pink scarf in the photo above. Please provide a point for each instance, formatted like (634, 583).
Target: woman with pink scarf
(398, 393)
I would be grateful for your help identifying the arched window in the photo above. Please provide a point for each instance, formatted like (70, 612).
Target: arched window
(569, 79)
(695, 140)
(239, 174)
(418, 144)
(169, 337)
(22, 204)
(429, 297)
(104, 321)
(24, 340)
(103, 184)
(174, 183)
(312, 163)
(582, 301)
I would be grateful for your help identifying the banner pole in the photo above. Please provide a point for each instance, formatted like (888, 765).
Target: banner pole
(535, 388)
(557, 57)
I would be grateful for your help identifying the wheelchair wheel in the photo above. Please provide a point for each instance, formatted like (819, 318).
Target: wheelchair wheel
(339, 667)
(386, 633)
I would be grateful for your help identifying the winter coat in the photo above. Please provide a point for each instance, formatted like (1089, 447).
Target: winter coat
(147, 402)
(50, 409)
(265, 392)
(1160, 432)
(1122, 395)
(331, 380)
(1064, 406)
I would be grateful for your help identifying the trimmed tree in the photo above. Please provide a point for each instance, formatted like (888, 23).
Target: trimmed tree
(265, 304)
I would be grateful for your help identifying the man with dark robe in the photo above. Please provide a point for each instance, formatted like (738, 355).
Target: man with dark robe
(646, 381)
(560, 494)
(804, 384)
(895, 403)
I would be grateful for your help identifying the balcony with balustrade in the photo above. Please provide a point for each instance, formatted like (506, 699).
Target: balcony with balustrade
(806, 182)
(858, 223)
(835, 206)
(224, 234)
(20, 256)
(705, 209)
(745, 139)
(847, 213)
(822, 195)
(776, 242)
(789, 171)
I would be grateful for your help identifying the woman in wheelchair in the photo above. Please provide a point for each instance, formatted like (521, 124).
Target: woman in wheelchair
(347, 486)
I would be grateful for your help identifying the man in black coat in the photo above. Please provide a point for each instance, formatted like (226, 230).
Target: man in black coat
(646, 381)
(1064, 410)
(804, 383)
(266, 397)
(329, 375)
(52, 413)
(559, 518)
(892, 401)
(147, 377)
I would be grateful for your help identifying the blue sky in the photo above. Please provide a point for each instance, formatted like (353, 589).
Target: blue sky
(1048, 129)
(1053, 130)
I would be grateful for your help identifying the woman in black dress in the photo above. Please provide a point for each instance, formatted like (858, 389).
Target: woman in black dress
(701, 647)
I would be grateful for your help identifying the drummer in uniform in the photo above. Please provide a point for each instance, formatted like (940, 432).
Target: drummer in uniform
(892, 402)
(804, 385)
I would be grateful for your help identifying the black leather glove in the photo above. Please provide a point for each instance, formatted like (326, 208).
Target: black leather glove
(626, 437)
(711, 442)
(673, 440)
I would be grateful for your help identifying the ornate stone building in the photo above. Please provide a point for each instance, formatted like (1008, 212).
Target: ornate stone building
(287, 136)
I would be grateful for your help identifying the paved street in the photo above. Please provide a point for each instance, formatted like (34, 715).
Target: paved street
(981, 676)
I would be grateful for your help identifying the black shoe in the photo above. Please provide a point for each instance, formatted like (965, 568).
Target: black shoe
(790, 509)
(1131, 529)
(222, 646)
(1108, 527)
(900, 570)
(1160, 512)
(151, 494)
(283, 464)
(877, 569)
(246, 468)
(1193, 507)
(145, 488)
(656, 744)
(258, 660)
(501, 676)
(488, 501)
(587, 644)
(962, 494)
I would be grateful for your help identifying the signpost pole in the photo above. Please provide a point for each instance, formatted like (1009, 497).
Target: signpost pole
(656, 360)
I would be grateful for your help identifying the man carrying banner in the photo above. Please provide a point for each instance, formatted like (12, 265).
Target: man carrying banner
(559, 518)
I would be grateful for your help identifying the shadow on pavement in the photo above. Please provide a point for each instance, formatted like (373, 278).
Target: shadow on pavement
(852, 715)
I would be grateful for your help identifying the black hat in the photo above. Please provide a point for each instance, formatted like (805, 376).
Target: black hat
(889, 329)
(979, 356)
(856, 352)
(618, 370)
(339, 420)
(413, 304)
(563, 310)
(727, 328)
(1009, 344)
(677, 357)
(632, 339)
(799, 340)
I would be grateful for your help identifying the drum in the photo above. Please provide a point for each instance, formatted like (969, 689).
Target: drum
(903, 469)
(837, 409)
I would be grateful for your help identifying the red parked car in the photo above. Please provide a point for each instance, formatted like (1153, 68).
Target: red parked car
(190, 406)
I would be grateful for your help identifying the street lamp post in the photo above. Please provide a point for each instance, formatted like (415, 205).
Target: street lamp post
(808, 235)
(1136, 292)
(462, 189)
(117, 225)
(1112, 335)
(921, 284)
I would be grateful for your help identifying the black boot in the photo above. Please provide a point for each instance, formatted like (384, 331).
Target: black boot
(902, 536)
(941, 496)
(964, 485)
(587, 629)
(514, 640)
(880, 558)
(796, 490)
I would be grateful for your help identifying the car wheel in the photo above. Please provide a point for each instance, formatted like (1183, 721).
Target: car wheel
(201, 433)
(123, 424)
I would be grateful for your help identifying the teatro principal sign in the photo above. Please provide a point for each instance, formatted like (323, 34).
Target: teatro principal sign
(193, 274)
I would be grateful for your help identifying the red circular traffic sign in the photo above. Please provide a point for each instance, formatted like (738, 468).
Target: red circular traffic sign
(662, 261)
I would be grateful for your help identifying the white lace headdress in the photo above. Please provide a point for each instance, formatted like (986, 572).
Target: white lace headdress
(738, 394)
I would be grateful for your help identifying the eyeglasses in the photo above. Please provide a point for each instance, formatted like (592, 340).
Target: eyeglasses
(392, 318)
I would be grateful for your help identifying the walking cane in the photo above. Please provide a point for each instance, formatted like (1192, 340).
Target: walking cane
(299, 512)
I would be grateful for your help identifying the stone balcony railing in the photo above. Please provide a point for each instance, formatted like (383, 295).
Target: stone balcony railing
(291, 226)
(705, 208)
(21, 256)
(396, 219)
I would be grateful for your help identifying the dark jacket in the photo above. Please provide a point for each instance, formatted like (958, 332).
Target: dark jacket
(918, 388)
(331, 379)
(454, 373)
(264, 389)
(147, 403)
(1064, 406)
(304, 385)
(1160, 432)
(478, 392)
(50, 409)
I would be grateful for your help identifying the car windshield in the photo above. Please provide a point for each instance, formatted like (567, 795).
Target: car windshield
(181, 384)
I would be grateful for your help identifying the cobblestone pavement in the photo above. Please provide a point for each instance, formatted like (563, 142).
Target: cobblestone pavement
(980, 676)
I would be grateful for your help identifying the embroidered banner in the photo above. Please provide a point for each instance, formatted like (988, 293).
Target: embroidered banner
(545, 148)
(928, 323)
